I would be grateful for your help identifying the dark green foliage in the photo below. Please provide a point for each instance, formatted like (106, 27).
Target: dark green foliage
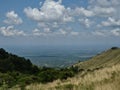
(49, 74)
(6, 79)
(10, 62)
(65, 73)
(114, 48)
(3, 54)
(16, 70)
(27, 79)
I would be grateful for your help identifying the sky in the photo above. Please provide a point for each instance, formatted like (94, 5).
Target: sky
(59, 22)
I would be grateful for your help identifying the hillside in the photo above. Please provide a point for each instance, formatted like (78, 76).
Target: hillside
(16, 70)
(10, 62)
(107, 78)
(107, 58)
(102, 72)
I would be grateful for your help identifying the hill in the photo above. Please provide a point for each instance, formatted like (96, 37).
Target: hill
(107, 58)
(15, 70)
(107, 78)
(102, 72)
(10, 62)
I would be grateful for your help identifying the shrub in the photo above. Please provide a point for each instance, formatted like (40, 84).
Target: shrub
(114, 48)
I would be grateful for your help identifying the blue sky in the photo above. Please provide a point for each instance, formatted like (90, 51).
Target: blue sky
(60, 22)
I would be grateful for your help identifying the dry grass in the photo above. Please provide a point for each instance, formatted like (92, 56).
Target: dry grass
(107, 58)
(107, 78)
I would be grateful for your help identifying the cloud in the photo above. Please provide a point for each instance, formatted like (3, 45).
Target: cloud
(37, 32)
(73, 33)
(99, 33)
(116, 32)
(104, 8)
(10, 31)
(106, 17)
(12, 18)
(48, 25)
(103, 11)
(105, 2)
(50, 11)
(86, 22)
(44, 32)
(101, 8)
(53, 17)
(60, 32)
(47, 30)
(111, 22)
(82, 11)
(105, 33)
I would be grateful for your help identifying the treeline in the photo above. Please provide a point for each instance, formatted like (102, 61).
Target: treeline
(15, 70)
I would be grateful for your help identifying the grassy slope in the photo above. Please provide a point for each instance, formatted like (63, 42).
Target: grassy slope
(107, 58)
(105, 78)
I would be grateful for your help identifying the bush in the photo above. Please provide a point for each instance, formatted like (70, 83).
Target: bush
(17, 70)
(114, 48)
(7, 80)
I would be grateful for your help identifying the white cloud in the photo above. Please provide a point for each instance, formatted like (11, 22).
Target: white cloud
(99, 33)
(48, 25)
(12, 18)
(47, 30)
(105, 2)
(86, 22)
(103, 11)
(74, 33)
(63, 32)
(55, 25)
(53, 17)
(105, 8)
(82, 11)
(114, 32)
(36, 32)
(111, 22)
(50, 11)
(41, 24)
(10, 31)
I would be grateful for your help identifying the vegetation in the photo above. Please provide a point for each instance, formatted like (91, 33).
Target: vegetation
(102, 72)
(113, 48)
(11, 63)
(105, 59)
(107, 78)
(16, 70)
